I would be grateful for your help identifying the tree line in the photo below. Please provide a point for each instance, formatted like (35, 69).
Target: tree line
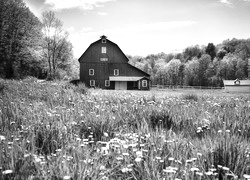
(32, 47)
(198, 65)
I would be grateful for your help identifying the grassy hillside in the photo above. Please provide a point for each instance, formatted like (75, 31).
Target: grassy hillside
(51, 130)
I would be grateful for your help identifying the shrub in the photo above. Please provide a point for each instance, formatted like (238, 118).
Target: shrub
(190, 97)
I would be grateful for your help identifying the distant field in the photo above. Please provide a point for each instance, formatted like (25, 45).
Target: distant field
(53, 130)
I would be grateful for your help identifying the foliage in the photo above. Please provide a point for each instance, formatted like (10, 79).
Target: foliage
(227, 60)
(19, 40)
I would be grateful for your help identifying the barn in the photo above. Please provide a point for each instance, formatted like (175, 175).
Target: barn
(105, 66)
(238, 85)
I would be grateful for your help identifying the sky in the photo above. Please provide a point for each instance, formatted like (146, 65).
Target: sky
(143, 27)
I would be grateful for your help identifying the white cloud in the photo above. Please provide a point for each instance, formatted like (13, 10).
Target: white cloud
(102, 13)
(226, 2)
(82, 4)
(86, 29)
(70, 29)
(137, 39)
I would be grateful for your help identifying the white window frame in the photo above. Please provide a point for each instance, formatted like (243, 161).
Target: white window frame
(104, 59)
(144, 83)
(104, 40)
(92, 82)
(104, 50)
(116, 72)
(107, 83)
(91, 72)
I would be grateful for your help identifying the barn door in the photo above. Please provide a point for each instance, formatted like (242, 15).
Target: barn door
(121, 85)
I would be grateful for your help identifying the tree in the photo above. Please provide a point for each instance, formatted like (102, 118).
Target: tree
(19, 37)
(56, 46)
(204, 62)
(191, 72)
(191, 52)
(211, 50)
(173, 69)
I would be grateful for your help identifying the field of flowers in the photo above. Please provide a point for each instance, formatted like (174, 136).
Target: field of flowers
(56, 131)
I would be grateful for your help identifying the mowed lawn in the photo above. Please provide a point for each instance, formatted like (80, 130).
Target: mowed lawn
(53, 130)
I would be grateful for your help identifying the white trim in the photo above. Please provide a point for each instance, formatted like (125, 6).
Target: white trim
(116, 72)
(91, 72)
(104, 50)
(107, 83)
(124, 78)
(92, 82)
(103, 59)
(144, 83)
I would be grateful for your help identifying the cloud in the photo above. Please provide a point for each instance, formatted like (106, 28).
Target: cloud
(102, 13)
(86, 29)
(69, 4)
(134, 38)
(226, 2)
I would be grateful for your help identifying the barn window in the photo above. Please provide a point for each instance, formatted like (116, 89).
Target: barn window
(116, 72)
(91, 72)
(104, 41)
(107, 83)
(144, 83)
(104, 59)
(92, 83)
(104, 50)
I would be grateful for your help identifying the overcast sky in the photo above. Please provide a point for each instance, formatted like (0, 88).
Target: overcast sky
(142, 27)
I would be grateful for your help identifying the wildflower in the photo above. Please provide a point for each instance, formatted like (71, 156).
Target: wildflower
(209, 173)
(246, 176)
(138, 159)
(119, 158)
(2, 138)
(66, 177)
(199, 154)
(225, 168)
(125, 154)
(194, 169)
(170, 158)
(102, 168)
(219, 166)
(106, 134)
(124, 170)
(199, 173)
(212, 169)
(9, 171)
(139, 153)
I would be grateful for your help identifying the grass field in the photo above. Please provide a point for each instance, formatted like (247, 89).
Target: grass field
(52, 130)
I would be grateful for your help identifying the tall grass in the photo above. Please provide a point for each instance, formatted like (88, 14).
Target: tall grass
(53, 130)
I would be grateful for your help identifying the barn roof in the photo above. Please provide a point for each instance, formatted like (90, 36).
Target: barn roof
(98, 41)
(125, 78)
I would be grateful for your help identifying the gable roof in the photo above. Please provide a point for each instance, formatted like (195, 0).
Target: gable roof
(146, 74)
(99, 41)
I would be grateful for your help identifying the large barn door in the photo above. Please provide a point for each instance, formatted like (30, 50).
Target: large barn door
(121, 85)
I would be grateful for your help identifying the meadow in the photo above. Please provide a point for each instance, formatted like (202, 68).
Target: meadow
(57, 131)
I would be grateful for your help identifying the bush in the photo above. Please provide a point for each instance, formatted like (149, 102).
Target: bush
(190, 97)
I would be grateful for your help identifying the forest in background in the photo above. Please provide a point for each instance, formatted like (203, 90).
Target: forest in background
(198, 65)
(41, 48)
